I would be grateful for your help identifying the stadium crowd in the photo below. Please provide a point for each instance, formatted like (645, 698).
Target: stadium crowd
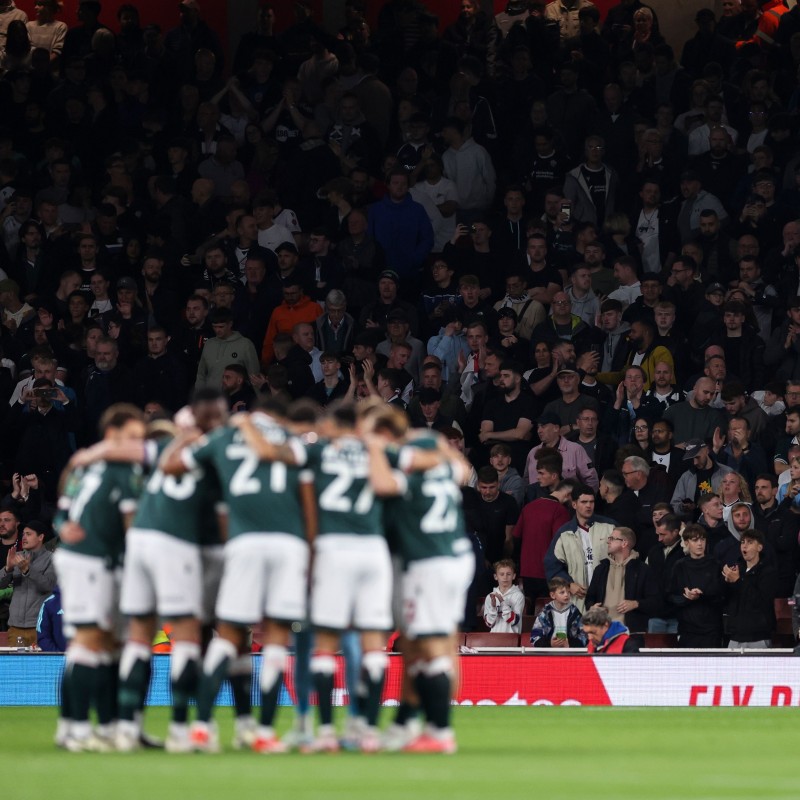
(569, 247)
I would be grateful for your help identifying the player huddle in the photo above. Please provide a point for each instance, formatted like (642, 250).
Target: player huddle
(272, 519)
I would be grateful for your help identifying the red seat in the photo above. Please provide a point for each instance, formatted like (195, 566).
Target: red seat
(3, 638)
(492, 640)
(660, 640)
(783, 616)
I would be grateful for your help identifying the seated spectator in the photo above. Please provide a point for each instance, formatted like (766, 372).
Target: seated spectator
(559, 622)
(503, 607)
(697, 593)
(30, 571)
(606, 636)
(621, 582)
(650, 487)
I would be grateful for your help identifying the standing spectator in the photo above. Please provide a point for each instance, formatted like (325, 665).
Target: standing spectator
(535, 529)
(697, 592)
(227, 346)
(508, 418)
(491, 514)
(579, 545)
(576, 463)
(160, 376)
(621, 582)
(46, 32)
(503, 607)
(50, 636)
(30, 571)
(295, 308)
(401, 227)
(470, 168)
(703, 476)
(750, 591)
(694, 418)
(592, 186)
(661, 561)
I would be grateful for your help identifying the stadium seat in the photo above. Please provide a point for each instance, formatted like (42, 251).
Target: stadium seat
(660, 640)
(492, 640)
(527, 625)
(3, 638)
(539, 604)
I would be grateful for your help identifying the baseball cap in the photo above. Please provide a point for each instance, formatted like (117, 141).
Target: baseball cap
(693, 447)
(127, 283)
(715, 288)
(549, 418)
(391, 275)
(568, 368)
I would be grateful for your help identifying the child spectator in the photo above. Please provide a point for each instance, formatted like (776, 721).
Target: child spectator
(697, 592)
(502, 609)
(750, 608)
(559, 622)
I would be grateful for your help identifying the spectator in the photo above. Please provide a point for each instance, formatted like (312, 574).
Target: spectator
(750, 596)
(500, 458)
(694, 418)
(30, 571)
(576, 463)
(50, 636)
(295, 308)
(491, 514)
(559, 622)
(401, 227)
(621, 582)
(227, 346)
(579, 545)
(503, 607)
(605, 636)
(703, 476)
(662, 560)
(696, 591)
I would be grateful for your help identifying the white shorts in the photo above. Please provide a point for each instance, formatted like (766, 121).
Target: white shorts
(265, 575)
(352, 583)
(435, 594)
(212, 557)
(162, 575)
(89, 591)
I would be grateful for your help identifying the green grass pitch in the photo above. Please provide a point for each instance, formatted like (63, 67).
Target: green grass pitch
(515, 752)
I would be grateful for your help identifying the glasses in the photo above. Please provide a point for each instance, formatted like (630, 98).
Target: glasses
(640, 428)
(615, 539)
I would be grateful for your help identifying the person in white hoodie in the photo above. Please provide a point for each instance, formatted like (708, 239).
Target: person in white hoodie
(470, 167)
(502, 609)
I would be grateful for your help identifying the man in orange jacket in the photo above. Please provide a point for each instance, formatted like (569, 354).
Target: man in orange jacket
(296, 307)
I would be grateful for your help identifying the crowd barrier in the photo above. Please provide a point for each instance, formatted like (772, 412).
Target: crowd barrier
(519, 679)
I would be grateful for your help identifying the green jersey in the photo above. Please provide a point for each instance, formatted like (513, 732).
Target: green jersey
(184, 506)
(261, 496)
(427, 520)
(345, 498)
(97, 498)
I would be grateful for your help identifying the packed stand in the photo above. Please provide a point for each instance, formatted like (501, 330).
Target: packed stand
(565, 245)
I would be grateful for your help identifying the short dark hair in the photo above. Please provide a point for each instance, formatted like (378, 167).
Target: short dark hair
(581, 489)
(488, 474)
(669, 521)
(768, 476)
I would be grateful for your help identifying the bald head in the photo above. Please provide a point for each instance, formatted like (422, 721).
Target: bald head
(703, 392)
